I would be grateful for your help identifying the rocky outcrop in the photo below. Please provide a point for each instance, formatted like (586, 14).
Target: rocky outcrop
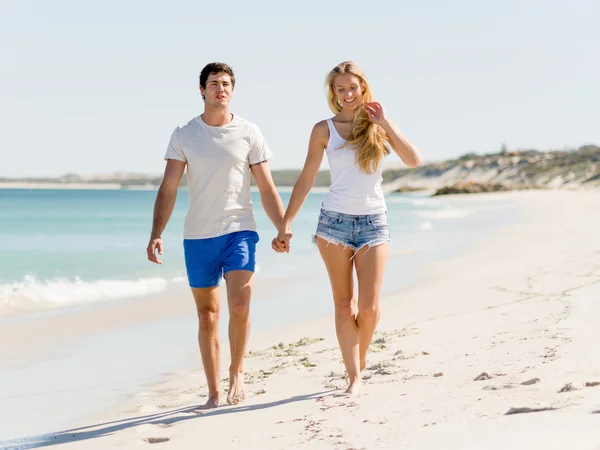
(515, 170)
(471, 188)
(409, 189)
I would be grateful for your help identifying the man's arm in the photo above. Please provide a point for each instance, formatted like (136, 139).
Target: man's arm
(163, 207)
(269, 196)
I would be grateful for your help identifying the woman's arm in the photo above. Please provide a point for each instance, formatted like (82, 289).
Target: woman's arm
(402, 146)
(316, 145)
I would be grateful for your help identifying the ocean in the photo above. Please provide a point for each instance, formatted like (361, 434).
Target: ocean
(63, 248)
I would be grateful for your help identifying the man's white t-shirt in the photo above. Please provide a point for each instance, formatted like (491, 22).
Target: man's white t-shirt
(218, 169)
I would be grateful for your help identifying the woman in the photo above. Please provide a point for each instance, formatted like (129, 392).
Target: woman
(352, 232)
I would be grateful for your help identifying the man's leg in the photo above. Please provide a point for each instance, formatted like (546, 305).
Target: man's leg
(207, 304)
(239, 289)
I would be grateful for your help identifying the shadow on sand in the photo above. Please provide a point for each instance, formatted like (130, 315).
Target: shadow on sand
(164, 419)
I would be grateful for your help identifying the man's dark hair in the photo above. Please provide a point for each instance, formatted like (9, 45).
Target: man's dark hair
(214, 68)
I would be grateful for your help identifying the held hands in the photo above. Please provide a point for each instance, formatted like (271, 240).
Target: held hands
(281, 244)
(153, 246)
(376, 113)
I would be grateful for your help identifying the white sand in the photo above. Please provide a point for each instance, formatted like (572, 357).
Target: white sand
(523, 305)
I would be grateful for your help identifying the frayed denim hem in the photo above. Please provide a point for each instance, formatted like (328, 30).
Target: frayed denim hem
(333, 241)
(374, 243)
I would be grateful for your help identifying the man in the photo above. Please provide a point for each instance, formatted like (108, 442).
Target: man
(220, 151)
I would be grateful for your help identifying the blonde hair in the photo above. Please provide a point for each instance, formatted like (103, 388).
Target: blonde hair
(368, 140)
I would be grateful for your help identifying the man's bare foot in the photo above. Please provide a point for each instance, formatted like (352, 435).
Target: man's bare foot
(354, 388)
(236, 394)
(213, 402)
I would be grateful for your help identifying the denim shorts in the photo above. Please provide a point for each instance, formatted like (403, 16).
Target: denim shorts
(353, 231)
(207, 260)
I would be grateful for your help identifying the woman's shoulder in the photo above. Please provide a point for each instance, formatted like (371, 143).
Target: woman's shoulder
(320, 133)
(321, 129)
(323, 125)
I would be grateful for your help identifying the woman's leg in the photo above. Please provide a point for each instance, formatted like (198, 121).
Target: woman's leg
(370, 266)
(339, 267)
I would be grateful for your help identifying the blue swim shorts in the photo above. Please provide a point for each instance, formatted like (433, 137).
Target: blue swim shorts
(207, 260)
(353, 231)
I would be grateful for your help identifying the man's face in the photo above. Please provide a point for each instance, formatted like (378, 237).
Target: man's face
(218, 90)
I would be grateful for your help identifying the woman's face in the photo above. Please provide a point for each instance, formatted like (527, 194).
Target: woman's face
(348, 90)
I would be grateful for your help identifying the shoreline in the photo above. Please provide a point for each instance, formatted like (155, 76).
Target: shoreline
(427, 187)
(433, 339)
(113, 187)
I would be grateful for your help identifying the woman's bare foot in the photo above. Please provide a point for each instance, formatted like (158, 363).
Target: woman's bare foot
(236, 394)
(354, 387)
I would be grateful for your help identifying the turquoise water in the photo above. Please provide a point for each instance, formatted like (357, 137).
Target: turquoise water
(67, 247)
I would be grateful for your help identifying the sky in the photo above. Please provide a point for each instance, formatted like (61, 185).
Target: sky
(98, 87)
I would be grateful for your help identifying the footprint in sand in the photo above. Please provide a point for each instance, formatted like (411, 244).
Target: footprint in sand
(333, 374)
(383, 368)
(498, 388)
(378, 345)
(400, 356)
(332, 384)
(156, 440)
(379, 365)
(526, 410)
(567, 388)
(482, 376)
(306, 362)
(282, 349)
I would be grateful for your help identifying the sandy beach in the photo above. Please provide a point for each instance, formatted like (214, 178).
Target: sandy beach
(496, 348)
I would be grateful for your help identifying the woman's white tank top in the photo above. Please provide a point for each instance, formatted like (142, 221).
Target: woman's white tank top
(352, 191)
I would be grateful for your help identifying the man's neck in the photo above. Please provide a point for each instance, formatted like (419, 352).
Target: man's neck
(216, 117)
